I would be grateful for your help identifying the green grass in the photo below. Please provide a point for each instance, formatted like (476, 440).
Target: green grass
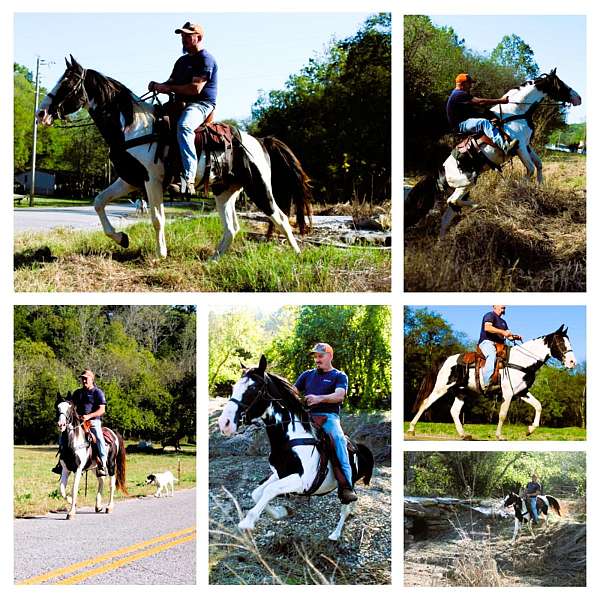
(55, 261)
(488, 432)
(36, 487)
(42, 202)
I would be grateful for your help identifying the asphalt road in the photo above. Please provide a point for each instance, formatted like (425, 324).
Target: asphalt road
(79, 217)
(145, 541)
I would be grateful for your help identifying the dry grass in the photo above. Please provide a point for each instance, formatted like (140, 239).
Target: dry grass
(523, 237)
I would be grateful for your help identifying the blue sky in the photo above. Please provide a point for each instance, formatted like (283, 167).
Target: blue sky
(528, 321)
(254, 51)
(556, 40)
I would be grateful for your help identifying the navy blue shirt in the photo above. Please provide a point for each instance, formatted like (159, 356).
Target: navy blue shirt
(497, 322)
(321, 383)
(458, 108)
(88, 401)
(533, 487)
(189, 66)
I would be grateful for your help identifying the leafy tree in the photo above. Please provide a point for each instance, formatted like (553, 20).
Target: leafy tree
(513, 52)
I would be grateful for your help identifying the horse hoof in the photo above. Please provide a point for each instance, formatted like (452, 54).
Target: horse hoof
(333, 537)
(124, 243)
(108, 510)
(411, 433)
(98, 509)
(245, 525)
(70, 516)
(467, 437)
(501, 438)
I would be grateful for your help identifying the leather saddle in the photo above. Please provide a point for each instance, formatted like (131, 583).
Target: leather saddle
(91, 438)
(476, 360)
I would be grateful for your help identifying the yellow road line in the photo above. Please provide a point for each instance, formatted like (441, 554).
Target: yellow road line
(103, 557)
(124, 561)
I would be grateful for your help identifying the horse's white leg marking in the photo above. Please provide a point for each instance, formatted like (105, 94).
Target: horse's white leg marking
(435, 395)
(287, 485)
(532, 401)
(455, 412)
(456, 198)
(529, 523)
(99, 494)
(76, 481)
(516, 529)
(279, 219)
(523, 154)
(154, 192)
(111, 500)
(115, 190)
(226, 207)
(64, 477)
(537, 161)
(277, 512)
(502, 416)
(344, 512)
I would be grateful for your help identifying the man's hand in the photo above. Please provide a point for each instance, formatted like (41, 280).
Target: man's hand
(86, 418)
(312, 399)
(159, 88)
(504, 100)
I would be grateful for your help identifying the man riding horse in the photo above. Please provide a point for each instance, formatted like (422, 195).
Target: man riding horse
(494, 330)
(464, 117)
(324, 389)
(193, 81)
(532, 491)
(90, 403)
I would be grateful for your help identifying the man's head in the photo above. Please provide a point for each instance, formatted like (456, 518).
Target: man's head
(87, 378)
(499, 309)
(464, 82)
(322, 355)
(192, 35)
(534, 477)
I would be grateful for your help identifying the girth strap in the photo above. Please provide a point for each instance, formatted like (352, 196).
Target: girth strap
(303, 442)
(530, 369)
(140, 141)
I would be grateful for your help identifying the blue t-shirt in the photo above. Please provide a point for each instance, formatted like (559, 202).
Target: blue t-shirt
(458, 108)
(88, 401)
(533, 487)
(189, 66)
(497, 322)
(321, 383)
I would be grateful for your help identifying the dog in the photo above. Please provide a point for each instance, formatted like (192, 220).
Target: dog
(162, 482)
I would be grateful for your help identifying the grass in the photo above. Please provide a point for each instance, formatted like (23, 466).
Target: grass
(522, 237)
(447, 431)
(55, 261)
(36, 488)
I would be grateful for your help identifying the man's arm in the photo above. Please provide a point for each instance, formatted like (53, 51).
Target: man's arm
(507, 333)
(489, 101)
(185, 89)
(336, 398)
(97, 413)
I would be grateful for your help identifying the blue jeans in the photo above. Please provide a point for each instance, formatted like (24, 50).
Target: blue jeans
(333, 428)
(192, 117)
(96, 427)
(489, 351)
(533, 506)
(483, 126)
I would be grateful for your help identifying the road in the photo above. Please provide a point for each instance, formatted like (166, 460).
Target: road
(144, 541)
(77, 217)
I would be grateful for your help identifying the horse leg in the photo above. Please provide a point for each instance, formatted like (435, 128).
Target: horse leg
(344, 513)
(523, 154)
(64, 478)
(98, 507)
(287, 485)
(279, 219)
(502, 416)
(115, 190)
(537, 161)
(226, 206)
(277, 512)
(516, 529)
(76, 480)
(455, 412)
(532, 401)
(435, 395)
(154, 192)
(455, 203)
(111, 501)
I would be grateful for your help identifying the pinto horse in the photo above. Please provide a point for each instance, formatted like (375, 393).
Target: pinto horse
(516, 378)
(516, 118)
(523, 514)
(295, 460)
(76, 456)
(265, 168)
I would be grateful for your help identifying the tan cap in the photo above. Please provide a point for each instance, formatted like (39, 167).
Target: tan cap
(191, 28)
(322, 348)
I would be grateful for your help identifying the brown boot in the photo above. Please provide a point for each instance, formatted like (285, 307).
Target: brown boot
(347, 495)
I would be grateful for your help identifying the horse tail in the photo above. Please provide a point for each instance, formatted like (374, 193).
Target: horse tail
(290, 184)
(366, 463)
(426, 387)
(121, 467)
(554, 504)
(421, 198)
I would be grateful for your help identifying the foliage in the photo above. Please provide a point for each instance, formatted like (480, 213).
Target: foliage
(336, 115)
(360, 336)
(148, 376)
(484, 474)
(517, 55)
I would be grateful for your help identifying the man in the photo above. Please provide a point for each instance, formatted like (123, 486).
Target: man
(494, 329)
(463, 116)
(194, 82)
(324, 390)
(532, 491)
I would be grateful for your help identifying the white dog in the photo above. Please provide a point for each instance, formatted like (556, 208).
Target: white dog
(162, 482)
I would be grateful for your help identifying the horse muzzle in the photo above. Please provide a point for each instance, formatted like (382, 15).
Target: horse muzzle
(44, 117)
(62, 423)
(575, 99)
(570, 362)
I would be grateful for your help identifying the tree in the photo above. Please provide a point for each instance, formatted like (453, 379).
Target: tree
(517, 55)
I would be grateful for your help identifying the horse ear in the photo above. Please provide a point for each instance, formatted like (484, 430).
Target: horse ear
(553, 72)
(69, 397)
(243, 365)
(58, 399)
(262, 365)
(74, 63)
(69, 66)
(561, 329)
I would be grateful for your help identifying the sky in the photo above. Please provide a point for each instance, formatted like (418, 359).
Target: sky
(527, 321)
(557, 41)
(254, 51)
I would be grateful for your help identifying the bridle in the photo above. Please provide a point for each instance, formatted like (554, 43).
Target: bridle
(243, 407)
(78, 86)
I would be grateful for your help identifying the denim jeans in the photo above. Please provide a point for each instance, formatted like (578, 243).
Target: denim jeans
(96, 427)
(192, 117)
(483, 126)
(489, 351)
(533, 506)
(333, 428)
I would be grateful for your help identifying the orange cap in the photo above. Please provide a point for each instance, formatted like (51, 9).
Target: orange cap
(322, 348)
(462, 77)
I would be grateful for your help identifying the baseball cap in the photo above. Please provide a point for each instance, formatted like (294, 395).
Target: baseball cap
(191, 28)
(322, 348)
(462, 77)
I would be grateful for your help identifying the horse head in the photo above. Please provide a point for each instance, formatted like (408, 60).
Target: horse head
(511, 499)
(555, 88)
(249, 398)
(67, 96)
(65, 410)
(560, 347)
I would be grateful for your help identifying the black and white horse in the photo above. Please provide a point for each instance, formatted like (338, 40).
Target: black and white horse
(516, 378)
(516, 118)
(294, 458)
(522, 511)
(76, 456)
(266, 169)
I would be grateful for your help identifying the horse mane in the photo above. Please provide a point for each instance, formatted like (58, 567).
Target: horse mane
(110, 91)
(290, 398)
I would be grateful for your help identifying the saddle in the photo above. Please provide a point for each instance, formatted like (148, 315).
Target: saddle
(476, 360)
(91, 438)
(469, 153)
